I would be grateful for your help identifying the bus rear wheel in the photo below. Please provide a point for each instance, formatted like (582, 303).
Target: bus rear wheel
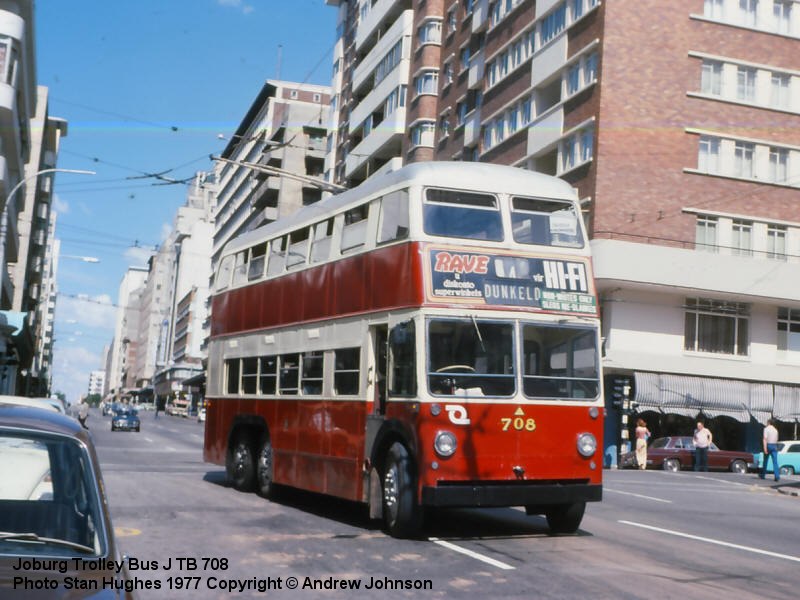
(241, 464)
(401, 513)
(565, 518)
(265, 469)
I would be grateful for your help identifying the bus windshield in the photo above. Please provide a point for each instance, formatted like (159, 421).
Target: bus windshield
(560, 362)
(471, 357)
(545, 222)
(458, 214)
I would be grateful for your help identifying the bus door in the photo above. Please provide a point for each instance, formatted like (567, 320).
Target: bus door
(376, 396)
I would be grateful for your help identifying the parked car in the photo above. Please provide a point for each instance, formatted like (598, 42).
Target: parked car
(125, 418)
(788, 457)
(677, 452)
(52, 507)
(46, 403)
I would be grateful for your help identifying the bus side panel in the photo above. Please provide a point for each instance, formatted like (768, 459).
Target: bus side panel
(316, 295)
(215, 440)
(346, 448)
(397, 277)
(350, 285)
(247, 305)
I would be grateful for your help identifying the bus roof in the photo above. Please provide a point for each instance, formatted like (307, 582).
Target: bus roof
(448, 174)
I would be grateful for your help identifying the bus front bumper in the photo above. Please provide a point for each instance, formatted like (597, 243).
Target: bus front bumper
(465, 494)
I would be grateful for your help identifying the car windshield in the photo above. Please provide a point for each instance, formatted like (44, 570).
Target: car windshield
(48, 497)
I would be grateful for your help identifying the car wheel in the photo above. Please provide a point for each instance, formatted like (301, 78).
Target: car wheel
(401, 513)
(265, 469)
(137, 430)
(739, 466)
(565, 518)
(241, 467)
(672, 464)
(786, 470)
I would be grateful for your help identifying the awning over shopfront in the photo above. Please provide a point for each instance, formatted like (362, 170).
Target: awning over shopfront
(741, 400)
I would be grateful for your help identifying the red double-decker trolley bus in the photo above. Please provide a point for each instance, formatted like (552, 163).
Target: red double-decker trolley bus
(428, 339)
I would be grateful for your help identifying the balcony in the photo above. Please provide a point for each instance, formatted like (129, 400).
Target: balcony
(375, 99)
(550, 60)
(546, 130)
(392, 127)
(480, 15)
(370, 62)
(472, 127)
(377, 15)
(475, 77)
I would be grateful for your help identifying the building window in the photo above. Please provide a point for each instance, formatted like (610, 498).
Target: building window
(743, 163)
(444, 126)
(746, 84)
(742, 238)
(780, 90)
(452, 21)
(430, 32)
(427, 83)
(573, 78)
(716, 326)
(778, 163)
(782, 11)
(711, 78)
(776, 242)
(708, 156)
(706, 234)
(714, 9)
(553, 24)
(465, 58)
(423, 133)
(789, 330)
(748, 11)
(449, 73)
(577, 9)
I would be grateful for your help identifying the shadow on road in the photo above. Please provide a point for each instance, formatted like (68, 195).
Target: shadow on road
(471, 523)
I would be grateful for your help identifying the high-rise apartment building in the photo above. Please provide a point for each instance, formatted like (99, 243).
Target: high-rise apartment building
(679, 125)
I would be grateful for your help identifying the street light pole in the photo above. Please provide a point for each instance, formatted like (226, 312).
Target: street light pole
(10, 198)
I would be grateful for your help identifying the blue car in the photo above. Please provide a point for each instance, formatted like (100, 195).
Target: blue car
(125, 419)
(788, 457)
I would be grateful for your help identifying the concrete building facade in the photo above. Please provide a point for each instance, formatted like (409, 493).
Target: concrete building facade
(677, 122)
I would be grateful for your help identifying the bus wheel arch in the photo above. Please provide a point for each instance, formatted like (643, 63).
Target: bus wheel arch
(265, 466)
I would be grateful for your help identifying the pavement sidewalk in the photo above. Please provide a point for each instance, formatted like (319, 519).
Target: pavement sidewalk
(787, 485)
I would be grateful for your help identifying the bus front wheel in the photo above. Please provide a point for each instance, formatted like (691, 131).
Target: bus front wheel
(264, 469)
(241, 464)
(565, 518)
(401, 513)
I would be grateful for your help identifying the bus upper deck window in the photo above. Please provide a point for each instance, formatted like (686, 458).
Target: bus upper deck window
(298, 247)
(240, 270)
(459, 214)
(277, 256)
(321, 244)
(545, 222)
(258, 255)
(224, 273)
(354, 233)
(394, 217)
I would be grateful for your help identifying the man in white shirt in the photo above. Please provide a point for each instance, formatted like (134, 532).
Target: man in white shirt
(702, 440)
(770, 450)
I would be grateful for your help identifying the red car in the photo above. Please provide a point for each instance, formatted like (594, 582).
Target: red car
(677, 452)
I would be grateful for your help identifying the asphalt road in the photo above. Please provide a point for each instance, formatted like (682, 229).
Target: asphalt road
(655, 535)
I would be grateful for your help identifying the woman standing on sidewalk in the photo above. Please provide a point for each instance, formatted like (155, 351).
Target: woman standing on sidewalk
(642, 434)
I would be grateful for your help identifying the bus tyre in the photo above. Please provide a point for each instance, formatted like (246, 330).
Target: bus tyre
(242, 465)
(264, 468)
(565, 518)
(401, 513)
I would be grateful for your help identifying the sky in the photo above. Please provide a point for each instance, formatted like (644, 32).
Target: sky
(147, 86)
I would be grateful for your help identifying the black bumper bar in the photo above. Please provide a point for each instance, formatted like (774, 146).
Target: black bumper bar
(499, 494)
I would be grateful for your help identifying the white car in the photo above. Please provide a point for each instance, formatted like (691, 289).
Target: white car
(45, 403)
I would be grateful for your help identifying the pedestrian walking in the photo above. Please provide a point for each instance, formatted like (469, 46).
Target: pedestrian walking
(642, 434)
(83, 413)
(702, 440)
(770, 443)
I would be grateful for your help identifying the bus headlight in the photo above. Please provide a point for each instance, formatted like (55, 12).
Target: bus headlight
(587, 444)
(445, 444)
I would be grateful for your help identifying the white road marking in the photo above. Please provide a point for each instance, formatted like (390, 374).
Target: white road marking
(147, 439)
(475, 555)
(605, 489)
(725, 481)
(713, 541)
